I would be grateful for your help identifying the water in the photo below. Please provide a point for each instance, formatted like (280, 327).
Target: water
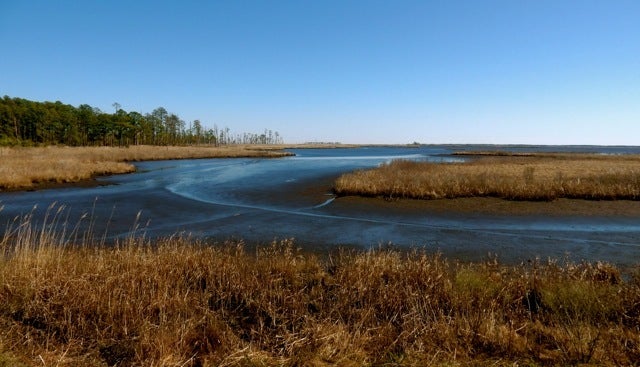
(260, 200)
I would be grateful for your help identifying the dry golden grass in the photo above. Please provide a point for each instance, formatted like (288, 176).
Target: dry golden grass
(176, 302)
(26, 167)
(533, 177)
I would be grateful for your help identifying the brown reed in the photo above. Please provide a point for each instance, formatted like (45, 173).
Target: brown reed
(532, 177)
(22, 168)
(178, 302)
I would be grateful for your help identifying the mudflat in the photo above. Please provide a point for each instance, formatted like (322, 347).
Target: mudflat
(496, 206)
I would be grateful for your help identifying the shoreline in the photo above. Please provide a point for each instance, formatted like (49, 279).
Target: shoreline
(454, 207)
(37, 168)
(488, 206)
(509, 176)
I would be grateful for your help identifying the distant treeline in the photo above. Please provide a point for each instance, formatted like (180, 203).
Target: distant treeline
(25, 122)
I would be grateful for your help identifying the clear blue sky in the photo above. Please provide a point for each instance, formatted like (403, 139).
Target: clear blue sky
(512, 71)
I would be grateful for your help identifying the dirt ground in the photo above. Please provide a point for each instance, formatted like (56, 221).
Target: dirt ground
(494, 206)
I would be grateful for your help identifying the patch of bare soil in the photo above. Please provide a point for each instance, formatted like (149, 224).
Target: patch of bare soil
(495, 206)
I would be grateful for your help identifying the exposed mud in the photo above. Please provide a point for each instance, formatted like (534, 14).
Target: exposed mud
(498, 207)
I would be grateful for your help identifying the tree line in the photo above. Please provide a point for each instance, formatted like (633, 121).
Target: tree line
(25, 122)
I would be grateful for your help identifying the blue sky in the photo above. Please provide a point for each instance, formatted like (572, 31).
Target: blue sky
(513, 71)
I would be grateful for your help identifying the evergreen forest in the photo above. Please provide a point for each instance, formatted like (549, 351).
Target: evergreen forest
(27, 123)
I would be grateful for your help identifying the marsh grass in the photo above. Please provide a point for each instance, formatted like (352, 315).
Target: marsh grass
(22, 168)
(66, 299)
(513, 177)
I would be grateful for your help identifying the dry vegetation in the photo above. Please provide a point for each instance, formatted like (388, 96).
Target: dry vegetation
(176, 302)
(27, 167)
(514, 177)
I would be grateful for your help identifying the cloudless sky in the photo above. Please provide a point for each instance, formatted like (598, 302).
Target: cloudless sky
(449, 71)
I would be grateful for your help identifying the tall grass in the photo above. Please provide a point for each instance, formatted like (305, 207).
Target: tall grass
(66, 301)
(26, 167)
(535, 177)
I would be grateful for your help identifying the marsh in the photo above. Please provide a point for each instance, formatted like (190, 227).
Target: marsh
(259, 200)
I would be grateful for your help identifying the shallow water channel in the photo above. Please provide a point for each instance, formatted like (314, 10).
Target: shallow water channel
(259, 200)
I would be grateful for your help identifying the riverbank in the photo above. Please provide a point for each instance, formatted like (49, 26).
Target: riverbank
(41, 167)
(175, 301)
(531, 176)
(460, 208)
